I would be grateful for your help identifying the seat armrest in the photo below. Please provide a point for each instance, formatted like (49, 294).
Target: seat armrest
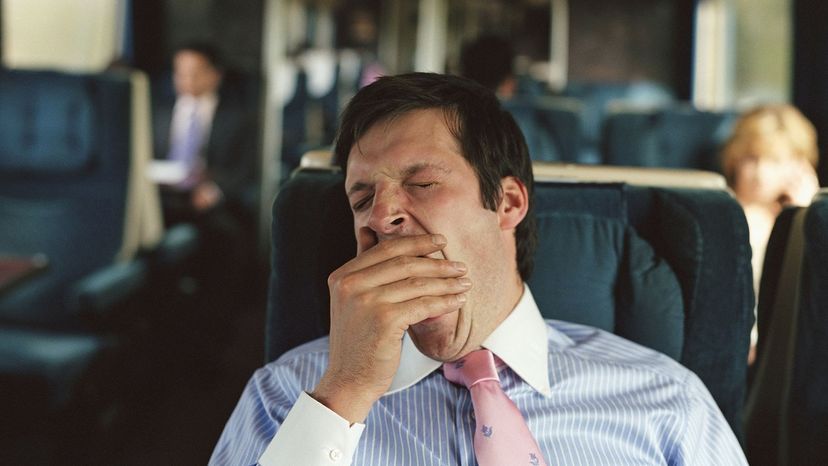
(177, 245)
(102, 291)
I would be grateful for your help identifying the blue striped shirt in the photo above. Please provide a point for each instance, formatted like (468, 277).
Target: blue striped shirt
(611, 402)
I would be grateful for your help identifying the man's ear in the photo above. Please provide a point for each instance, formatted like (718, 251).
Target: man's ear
(514, 202)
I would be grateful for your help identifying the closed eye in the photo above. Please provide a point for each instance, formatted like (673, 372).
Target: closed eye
(360, 204)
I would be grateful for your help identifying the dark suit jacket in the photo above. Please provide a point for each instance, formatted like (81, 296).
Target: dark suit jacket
(231, 149)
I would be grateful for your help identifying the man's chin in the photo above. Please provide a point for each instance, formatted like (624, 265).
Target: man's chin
(435, 337)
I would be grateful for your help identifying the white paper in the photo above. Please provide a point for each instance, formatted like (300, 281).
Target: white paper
(167, 171)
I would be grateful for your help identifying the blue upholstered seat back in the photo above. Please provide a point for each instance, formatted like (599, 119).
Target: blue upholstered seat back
(787, 420)
(809, 383)
(597, 97)
(48, 125)
(551, 126)
(593, 268)
(674, 137)
(650, 264)
(64, 166)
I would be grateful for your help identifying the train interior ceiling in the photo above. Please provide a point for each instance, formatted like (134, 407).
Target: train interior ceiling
(134, 330)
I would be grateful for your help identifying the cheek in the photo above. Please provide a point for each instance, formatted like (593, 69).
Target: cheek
(476, 240)
(746, 171)
(205, 83)
(770, 175)
(202, 84)
(747, 179)
(186, 84)
(179, 83)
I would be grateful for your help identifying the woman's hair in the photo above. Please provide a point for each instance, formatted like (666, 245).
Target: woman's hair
(763, 131)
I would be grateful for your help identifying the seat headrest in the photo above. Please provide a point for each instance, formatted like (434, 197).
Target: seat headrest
(48, 123)
(592, 267)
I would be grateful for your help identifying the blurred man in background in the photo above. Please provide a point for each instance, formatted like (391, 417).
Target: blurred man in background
(209, 131)
(205, 135)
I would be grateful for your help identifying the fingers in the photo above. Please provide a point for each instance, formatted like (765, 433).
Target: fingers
(400, 316)
(405, 267)
(401, 279)
(802, 184)
(418, 245)
(415, 287)
(394, 260)
(426, 307)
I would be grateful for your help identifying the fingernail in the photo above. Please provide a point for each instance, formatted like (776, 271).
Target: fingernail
(464, 282)
(459, 266)
(461, 297)
(439, 240)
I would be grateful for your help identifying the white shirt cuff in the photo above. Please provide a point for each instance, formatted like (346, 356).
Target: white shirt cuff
(312, 435)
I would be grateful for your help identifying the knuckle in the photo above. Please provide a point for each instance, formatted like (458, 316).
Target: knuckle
(418, 282)
(448, 301)
(433, 304)
(405, 262)
(363, 300)
(440, 302)
(346, 284)
(385, 317)
(420, 308)
(333, 279)
(385, 247)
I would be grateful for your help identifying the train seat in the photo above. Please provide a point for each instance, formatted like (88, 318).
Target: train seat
(311, 104)
(68, 181)
(787, 413)
(596, 98)
(318, 158)
(676, 136)
(649, 263)
(637, 176)
(551, 126)
(73, 150)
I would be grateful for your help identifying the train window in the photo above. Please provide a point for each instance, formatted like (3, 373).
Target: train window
(763, 62)
(743, 52)
(68, 35)
(526, 23)
(615, 42)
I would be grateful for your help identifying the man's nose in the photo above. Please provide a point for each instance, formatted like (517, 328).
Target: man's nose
(388, 214)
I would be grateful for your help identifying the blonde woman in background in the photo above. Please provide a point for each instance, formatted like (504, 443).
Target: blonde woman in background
(769, 162)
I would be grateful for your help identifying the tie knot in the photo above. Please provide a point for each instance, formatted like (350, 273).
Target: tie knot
(475, 367)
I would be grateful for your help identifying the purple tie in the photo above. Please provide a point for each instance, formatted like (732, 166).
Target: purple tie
(501, 436)
(185, 149)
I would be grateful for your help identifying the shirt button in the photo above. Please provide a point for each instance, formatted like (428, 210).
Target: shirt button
(335, 455)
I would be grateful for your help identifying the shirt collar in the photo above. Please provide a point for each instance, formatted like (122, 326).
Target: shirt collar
(204, 101)
(521, 341)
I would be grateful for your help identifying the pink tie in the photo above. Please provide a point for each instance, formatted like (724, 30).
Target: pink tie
(501, 437)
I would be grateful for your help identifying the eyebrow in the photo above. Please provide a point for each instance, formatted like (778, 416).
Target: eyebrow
(406, 173)
(357, 187)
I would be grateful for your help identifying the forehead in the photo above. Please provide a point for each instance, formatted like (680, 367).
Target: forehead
(191, 59)
(419, 136)
(770, 147)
